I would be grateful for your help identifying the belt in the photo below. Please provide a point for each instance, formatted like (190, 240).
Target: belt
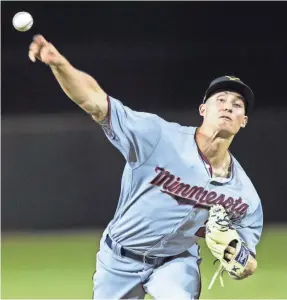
(135, 256)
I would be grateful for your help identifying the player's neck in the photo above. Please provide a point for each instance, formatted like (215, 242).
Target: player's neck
(213, 146)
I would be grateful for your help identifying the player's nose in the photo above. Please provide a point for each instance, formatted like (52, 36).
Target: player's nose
(227, 106)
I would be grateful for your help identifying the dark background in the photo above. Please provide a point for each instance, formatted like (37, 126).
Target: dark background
(59, 170)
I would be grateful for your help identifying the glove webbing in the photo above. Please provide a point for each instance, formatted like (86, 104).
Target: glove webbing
(225, 225)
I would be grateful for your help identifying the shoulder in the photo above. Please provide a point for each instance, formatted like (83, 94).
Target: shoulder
(176, 128)
(165, 125)
(118, 106)
(130, 118)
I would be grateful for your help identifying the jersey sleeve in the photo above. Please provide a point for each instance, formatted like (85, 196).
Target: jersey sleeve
(250, 228)
(134, 134)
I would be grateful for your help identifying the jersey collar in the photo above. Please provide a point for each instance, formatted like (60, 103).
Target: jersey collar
(218, 180)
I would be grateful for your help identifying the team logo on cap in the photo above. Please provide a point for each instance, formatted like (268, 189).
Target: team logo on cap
(232, 78)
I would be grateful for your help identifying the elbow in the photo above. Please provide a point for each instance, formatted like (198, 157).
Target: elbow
(96, 105)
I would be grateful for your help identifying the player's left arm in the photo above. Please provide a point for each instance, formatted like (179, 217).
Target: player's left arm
(249, 231)
(234, 245)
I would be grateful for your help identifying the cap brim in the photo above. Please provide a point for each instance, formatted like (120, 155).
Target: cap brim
(234, 86)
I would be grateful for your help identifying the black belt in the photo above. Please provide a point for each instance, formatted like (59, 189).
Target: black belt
(138, 257)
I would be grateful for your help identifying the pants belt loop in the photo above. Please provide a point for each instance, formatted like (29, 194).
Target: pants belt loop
(144, 262)
(117, 249)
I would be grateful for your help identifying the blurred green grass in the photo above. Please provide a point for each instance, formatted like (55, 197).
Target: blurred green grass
(61, 266)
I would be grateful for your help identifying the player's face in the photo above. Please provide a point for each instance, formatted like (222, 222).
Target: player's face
(225, 112)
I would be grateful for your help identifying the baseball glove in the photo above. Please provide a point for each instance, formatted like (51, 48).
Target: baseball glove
(219, 235)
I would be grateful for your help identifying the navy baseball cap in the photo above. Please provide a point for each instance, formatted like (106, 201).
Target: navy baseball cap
(231, 83)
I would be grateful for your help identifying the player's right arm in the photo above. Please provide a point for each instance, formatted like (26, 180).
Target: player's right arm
(134, 134)
(80, 87)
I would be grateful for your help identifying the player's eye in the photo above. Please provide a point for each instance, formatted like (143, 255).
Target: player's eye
(221, 99)
(237, 105)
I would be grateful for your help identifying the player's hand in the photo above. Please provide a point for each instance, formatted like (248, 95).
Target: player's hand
(229, 253)
(44, 51)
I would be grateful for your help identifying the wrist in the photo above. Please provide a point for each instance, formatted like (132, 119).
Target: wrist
(249, 269)
(62, 65)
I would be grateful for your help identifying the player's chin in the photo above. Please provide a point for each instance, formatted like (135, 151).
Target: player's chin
(226, 129)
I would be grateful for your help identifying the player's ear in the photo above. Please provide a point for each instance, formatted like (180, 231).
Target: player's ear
(244, 122)
(202, 109)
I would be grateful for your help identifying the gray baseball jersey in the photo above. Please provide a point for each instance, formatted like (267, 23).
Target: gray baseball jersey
(167, 187)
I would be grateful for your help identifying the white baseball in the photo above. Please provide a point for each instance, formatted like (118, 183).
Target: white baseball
(22, 21)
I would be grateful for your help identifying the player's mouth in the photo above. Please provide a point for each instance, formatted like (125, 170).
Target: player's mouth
(226, 118)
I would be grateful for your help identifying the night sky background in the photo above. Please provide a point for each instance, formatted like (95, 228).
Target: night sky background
(153, 56)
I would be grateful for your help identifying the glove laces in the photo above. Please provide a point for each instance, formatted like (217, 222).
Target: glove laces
(220, 270)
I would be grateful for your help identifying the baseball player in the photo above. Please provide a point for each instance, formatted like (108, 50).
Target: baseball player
(179, 184)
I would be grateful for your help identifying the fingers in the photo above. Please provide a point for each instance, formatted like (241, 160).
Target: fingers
(230, 250)
(40, 40)
(33, 50)
(228, 256)
(45, 54)
(36, 46)
(229, 253)
(31, 56)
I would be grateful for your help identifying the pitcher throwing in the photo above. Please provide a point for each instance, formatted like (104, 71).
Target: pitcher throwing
(179, 184)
